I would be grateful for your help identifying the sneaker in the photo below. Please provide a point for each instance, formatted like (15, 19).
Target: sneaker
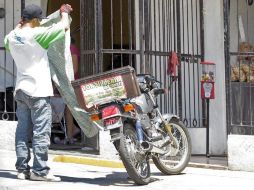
(23, 175)
(48, 177)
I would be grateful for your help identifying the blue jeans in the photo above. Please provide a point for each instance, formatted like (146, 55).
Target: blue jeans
(34, 119)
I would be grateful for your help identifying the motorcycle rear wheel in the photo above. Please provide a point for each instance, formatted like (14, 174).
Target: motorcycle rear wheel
(137, 166)
(176, 160)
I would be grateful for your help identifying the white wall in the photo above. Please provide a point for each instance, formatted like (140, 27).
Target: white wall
(198, 140)
(241, 152)
(7, 134)
(36, 2)
(214, 51)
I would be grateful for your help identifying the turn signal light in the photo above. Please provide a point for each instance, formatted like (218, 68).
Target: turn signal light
(95, 117)
(128, 107)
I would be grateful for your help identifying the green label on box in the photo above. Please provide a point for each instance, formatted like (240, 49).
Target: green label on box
(103, 90)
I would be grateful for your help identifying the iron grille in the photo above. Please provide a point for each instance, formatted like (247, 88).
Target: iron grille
(142, 33)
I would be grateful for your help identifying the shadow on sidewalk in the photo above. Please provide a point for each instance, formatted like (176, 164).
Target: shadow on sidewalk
(115, 179)
(8, 174)
(120, 179)
(162, 174)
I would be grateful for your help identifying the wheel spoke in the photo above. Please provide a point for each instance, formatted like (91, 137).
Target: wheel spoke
(136, 164)
(141, 166)
(176, 155)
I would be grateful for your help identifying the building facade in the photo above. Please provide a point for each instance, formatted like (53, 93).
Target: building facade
(143, 33)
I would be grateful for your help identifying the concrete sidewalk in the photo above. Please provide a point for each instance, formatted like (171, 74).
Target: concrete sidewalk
(95, 160)
(71, 175)
(86, 176)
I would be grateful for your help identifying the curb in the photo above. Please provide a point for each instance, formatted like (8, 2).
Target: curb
(207, 166)
(88, 161)
(119, 164)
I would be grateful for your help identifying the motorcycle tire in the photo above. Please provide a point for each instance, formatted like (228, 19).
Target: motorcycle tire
(178, 158)
(138, 168)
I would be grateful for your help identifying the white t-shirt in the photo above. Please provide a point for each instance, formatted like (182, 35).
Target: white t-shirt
(28, 47)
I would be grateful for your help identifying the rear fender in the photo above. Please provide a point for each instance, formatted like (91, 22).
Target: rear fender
(117, 133)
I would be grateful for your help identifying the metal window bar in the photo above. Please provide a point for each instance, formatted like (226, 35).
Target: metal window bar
(88, 49)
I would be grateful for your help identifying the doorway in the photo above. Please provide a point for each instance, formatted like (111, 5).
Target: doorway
(81, 143)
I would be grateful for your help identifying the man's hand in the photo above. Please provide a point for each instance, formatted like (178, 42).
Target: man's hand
(66, 8)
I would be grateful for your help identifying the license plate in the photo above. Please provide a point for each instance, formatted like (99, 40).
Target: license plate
(113, 122)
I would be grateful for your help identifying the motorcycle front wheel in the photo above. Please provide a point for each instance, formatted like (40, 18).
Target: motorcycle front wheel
(178, 156)
(137, 165)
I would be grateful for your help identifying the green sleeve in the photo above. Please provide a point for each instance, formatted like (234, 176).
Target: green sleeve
(6, 43)
(48, 35)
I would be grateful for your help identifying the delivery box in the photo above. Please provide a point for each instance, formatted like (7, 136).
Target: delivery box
(107, 86)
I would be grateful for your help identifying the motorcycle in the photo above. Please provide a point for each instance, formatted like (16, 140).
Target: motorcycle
(140, 132)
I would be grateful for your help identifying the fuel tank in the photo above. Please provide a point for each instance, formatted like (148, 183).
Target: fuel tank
(144, 103)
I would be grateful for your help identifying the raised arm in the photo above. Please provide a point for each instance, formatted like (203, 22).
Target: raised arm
(65, 10)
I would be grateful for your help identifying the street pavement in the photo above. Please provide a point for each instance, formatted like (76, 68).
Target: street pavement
(80, 176)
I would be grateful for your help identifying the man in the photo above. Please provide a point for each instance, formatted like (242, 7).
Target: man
(28, 44)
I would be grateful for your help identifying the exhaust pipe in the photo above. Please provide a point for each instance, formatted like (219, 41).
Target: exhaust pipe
(149, 147)
(146, 146)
